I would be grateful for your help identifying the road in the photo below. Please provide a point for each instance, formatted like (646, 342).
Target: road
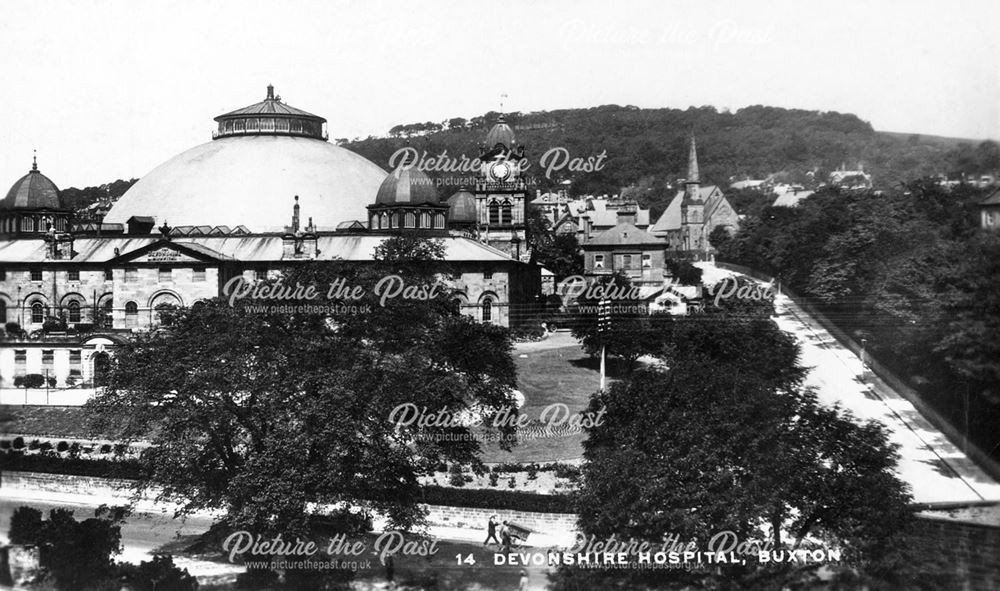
(934, 467)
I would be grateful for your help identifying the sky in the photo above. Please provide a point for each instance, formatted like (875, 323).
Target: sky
(108, 89)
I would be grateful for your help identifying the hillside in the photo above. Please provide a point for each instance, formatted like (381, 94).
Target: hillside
(647, 148)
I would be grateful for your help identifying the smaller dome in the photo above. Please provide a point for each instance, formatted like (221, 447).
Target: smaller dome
(501, 133)
(32, 191)
(407, 186)
(462, 207)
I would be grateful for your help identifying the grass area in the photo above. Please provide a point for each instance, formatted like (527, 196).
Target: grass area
(50, 421)
(563, 374)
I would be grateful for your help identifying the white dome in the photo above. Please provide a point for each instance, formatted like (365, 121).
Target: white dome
(251, 181)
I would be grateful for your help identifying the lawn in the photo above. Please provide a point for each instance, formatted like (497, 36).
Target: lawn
(553, 371)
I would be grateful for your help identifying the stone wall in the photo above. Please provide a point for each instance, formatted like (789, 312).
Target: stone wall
(972, 549)
(476, 518)
(98, 488)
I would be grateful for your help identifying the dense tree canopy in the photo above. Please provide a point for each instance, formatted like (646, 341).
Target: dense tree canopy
(907, 270)
(725, 438)
(264, 413)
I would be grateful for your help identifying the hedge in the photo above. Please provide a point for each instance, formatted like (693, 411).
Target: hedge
(50, 463)
(496, 499)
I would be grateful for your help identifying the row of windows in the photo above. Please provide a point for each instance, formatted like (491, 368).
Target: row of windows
(32, 224)
(409, 219)
(73, 311)
(626, 261)
(270, 124)
(48, 356)
(131, 274)
(501, 213)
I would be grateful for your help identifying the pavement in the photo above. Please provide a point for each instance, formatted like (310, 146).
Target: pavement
(937, 470)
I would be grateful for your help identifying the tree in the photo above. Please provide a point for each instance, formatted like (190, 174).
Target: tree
(264, 414)
(630, 331)
(727, 439)
(78, 554)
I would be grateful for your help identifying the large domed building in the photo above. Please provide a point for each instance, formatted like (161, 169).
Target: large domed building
(267, 193)
(260, 156)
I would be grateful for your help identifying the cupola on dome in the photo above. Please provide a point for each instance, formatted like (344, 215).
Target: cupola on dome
(270, 117)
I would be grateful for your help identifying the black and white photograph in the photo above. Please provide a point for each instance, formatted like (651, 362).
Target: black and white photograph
(513, 295)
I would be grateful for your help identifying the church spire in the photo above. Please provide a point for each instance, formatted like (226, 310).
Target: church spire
(692, 176)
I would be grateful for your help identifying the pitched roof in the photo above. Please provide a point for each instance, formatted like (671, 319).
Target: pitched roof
(623, 234)
(670, 219)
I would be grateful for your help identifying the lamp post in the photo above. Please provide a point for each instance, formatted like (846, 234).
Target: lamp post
(603, 326)
(864, 357)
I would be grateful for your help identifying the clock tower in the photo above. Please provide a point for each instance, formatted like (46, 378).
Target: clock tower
(501, 191)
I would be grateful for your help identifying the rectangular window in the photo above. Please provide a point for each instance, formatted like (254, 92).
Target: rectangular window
(73, 274)
(598, 261)
(131, 275)
(164, 275)
(20, 356)
(260, 273)
(626, 261)
(36, 274)
(109, 275)
(74, 357)
(198, 274)
(647, 261)
(488, 274)
(48, 356)
(3, 274)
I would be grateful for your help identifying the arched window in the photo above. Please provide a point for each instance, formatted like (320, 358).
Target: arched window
(37, 313)
(494, 213)
(131, 314)
(74, 311)
(506, 215)
(373, 224)
(109, 310)
(27, 224)
(385, 221)
(487, 310)
(439, 221)
(425, 220)
(410, 220)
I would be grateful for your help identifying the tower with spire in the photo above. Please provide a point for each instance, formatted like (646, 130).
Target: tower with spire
(693, 204)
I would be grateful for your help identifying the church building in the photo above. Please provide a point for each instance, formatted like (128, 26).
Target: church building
(694, 213)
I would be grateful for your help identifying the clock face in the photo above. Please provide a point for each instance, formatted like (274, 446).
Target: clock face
(500, 171)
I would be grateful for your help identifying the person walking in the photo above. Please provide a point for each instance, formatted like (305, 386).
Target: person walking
(491, 531)
(505, 537)
(523, 583)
